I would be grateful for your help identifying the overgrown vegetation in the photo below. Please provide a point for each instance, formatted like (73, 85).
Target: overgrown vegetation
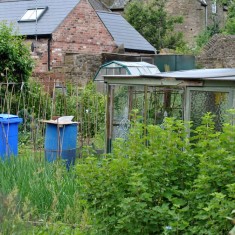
(16, 62)
(33, 102)
(229, 28)
(161, 183)
(230, 22)
(39, 198)
(152, 21)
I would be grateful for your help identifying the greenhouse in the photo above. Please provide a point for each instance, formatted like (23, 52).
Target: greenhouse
(125, 68)
(186, 95)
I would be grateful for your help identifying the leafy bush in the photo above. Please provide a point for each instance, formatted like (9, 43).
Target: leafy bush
(230, 22)
(162, 183)
(16, 62)
(158, 181)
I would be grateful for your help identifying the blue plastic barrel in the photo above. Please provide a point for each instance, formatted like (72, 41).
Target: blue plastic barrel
(61, 142)
(9, 135)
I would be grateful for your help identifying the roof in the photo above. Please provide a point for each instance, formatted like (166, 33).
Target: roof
(121, 31)
(12, 11)
(201, 74)
(99, 6)
(119, 4)
(124, 33)
(129, 64)
(188, 77)
(125, 68)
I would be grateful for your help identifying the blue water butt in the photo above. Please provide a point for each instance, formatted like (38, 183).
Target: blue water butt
(9, 135)
(61, 142)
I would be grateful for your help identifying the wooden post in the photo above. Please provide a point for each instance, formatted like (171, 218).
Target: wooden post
(109, 117)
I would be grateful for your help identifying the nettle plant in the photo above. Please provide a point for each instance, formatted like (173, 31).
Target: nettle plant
(163, 182)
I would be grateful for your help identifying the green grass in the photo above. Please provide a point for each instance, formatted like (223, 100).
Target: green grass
(44, 196)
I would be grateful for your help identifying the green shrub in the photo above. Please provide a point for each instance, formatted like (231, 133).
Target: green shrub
(16, 62)
(162, 182)
(158, 181)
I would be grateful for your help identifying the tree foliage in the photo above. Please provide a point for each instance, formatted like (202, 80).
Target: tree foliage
(16, 63)
(153, 22)
(230, 23)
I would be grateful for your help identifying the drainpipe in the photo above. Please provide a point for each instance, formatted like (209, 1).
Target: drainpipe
(204, 4)
(49, 54)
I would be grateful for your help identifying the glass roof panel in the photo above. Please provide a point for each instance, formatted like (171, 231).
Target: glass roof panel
(33, 14)
(125, 68)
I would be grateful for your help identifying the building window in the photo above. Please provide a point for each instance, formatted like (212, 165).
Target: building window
(213, 6)
(33, 14)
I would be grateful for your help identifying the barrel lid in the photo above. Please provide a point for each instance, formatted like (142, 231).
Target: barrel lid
(64, 120)
(9, 118)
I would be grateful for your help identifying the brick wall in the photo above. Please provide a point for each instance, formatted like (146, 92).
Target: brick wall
(40, 54)
(218, 53)
(81, 32)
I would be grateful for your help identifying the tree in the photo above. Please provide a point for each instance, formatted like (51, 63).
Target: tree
(230, 22)
(16, 62)
(153, 22)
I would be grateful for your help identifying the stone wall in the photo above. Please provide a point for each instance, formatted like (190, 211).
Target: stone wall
(81, 67)
(194, 15)
(218, 53)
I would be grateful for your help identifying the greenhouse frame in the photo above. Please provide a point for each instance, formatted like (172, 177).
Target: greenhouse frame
(186, 95)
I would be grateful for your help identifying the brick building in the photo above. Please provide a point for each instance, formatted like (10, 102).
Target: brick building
(85, 28)
(197, 14)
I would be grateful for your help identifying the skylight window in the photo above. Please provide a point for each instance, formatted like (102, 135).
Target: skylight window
(33, 14)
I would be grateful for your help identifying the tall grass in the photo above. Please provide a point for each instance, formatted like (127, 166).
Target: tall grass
(39, 194)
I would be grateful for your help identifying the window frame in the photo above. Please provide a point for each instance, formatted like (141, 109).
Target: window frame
(44, 9)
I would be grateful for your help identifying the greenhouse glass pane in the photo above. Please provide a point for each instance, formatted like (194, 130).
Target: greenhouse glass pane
(203, 102)
(164, 102)
(154, 70)
(123, 71)
(120, 112)
(143, 70)
(134, 70)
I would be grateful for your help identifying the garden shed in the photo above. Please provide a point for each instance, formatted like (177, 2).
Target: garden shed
(186, 95)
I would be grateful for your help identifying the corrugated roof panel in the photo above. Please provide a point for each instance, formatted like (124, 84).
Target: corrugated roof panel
(55, 14)
(124, 33)
(200, 73)
(117, 63)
